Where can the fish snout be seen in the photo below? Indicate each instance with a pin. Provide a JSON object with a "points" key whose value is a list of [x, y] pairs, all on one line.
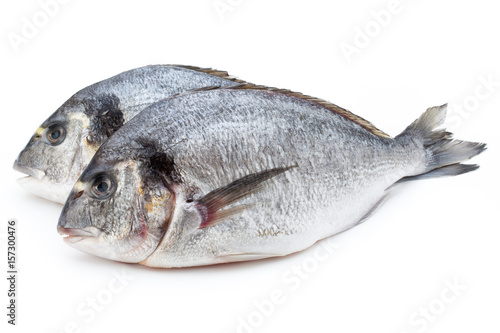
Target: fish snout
{"points": [[29, 171], [74, 235]]}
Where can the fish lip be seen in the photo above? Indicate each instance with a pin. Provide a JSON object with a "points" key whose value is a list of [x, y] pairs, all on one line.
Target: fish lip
{"points": [[74, 235], [30, 172]]}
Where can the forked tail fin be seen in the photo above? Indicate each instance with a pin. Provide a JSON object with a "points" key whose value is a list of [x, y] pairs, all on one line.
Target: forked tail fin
{"points": [[444, 154]]}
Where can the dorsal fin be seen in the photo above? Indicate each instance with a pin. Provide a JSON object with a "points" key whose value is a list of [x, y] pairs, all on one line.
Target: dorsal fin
{"points": [[211, 71], [330, 106]]}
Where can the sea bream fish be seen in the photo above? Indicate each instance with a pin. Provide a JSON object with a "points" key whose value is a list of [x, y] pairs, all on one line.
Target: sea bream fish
{"points": [[244, 173], [64, 144]]}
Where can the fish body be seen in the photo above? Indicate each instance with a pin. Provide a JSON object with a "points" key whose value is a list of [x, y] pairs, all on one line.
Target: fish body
{"points": [[64, 144], [244, 173]]}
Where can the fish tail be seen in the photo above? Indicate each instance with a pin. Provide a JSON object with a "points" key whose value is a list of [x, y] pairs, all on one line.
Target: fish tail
{"points": [[443, 154]]}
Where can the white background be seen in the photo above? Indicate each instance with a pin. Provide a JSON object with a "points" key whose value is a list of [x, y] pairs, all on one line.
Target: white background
{"points": [[381, 273]]}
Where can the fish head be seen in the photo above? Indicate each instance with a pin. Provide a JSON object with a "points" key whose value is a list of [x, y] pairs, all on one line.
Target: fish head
{"points": [[55, 154], [117, 211], [63, 145]]}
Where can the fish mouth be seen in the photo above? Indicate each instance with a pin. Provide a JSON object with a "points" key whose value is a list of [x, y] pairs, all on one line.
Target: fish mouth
{"points": [[74, 235], [30, 172]]}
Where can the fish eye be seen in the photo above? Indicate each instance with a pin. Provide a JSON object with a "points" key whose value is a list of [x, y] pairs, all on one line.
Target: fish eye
{"points": [[55, 134], [102, 186]]}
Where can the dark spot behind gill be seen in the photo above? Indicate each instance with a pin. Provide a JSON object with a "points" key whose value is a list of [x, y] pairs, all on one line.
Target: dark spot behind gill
{"points": [[158, 163], [105, 115]]}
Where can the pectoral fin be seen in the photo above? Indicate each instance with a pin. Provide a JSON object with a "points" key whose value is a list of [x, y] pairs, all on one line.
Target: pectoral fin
{"points": [[212, 205]]}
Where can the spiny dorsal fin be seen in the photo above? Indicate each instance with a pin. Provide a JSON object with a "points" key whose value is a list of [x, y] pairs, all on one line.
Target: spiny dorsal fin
{"points": [[211, 71], [330, 106]]}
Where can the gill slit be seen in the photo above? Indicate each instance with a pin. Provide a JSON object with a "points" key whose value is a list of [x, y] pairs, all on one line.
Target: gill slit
{"points": [[168, 221]]}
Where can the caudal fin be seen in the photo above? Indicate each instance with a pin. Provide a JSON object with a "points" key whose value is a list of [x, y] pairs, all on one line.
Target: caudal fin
{"points": [[444, 154]]}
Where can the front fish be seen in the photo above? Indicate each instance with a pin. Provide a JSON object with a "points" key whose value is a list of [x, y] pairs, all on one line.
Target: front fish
{"points": [[64, 144], [244, 173]]}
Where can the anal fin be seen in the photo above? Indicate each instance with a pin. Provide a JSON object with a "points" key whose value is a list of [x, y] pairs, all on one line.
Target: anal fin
{"points": [[375, 207]]}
